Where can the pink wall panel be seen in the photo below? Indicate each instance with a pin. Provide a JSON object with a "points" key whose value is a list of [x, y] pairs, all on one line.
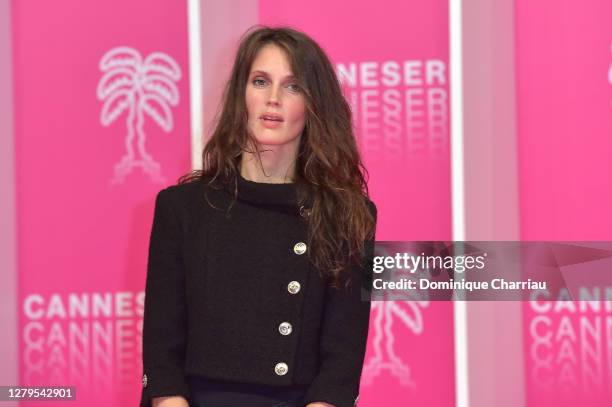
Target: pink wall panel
{"points": [[392, 59], [83, 218], [564, 94]]}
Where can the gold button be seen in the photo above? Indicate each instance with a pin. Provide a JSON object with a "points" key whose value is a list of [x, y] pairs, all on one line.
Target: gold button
{"points": [[299, 248], [281, 369], [293, 287], [285, 328]]}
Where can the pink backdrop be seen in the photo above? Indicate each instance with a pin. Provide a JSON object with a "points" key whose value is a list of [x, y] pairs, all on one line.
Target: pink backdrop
{"points": [[393, 62], [81, 319], [564, 93], [82, 237]]}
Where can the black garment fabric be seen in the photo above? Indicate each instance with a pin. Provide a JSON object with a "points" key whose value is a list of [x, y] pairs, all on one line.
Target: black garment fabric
{"points": [[213, 393], [219, 303]]}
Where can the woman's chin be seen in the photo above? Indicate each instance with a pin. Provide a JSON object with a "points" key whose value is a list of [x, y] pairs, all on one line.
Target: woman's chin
{"points": [[274, 139]]}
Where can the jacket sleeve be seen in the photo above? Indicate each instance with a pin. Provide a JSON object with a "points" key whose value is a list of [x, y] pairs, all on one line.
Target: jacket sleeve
{"points": [[343, 338], [165, 313]]}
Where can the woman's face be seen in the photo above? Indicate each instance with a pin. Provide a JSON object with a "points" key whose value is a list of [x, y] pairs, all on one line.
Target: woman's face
{"points": [[275, 104]]}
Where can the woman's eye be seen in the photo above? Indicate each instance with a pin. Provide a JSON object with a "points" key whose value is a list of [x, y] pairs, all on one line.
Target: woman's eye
{"points": [[262, 82]]}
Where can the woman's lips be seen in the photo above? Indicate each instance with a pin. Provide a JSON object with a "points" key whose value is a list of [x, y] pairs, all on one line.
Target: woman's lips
{"points": [[270, 124], [271, 116]]}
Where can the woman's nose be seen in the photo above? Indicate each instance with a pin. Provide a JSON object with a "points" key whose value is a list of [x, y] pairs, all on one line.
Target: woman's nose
{"points": [[274, 96]]}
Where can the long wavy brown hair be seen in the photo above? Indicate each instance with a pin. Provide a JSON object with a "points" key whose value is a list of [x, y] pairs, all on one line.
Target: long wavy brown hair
{"points": [[329, 173]]}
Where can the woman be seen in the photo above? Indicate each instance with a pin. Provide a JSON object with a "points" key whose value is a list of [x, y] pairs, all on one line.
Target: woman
{"points": [[256, 262]]}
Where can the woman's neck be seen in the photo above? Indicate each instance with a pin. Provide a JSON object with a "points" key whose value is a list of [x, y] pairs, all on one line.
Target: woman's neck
{"points": [[276, 167]]}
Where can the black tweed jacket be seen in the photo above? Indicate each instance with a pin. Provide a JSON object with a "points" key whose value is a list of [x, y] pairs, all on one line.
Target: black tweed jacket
{"points": [[231, 295]]}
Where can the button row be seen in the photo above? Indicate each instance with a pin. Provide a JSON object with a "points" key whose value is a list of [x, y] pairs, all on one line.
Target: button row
{"points": [[285, 328]]}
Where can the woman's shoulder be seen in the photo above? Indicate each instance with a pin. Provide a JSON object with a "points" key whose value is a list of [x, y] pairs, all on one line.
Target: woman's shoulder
{"points": [[191, 190], [180, 190]]}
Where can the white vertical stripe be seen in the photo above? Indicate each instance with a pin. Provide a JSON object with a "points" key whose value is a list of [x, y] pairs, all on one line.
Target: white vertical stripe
{"points": [[9, 306], [195, 82], [458, 185]]}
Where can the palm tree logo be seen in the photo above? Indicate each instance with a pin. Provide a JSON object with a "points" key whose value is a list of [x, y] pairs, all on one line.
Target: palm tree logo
{"points": [[140, 87], [385, 315]]}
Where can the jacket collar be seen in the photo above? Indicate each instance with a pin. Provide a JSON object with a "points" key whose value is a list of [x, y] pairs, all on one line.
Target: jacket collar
{"points": [[267, 194]]}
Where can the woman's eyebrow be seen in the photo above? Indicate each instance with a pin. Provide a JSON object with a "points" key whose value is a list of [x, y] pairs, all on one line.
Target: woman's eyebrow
{"points": [[264, 73]]}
